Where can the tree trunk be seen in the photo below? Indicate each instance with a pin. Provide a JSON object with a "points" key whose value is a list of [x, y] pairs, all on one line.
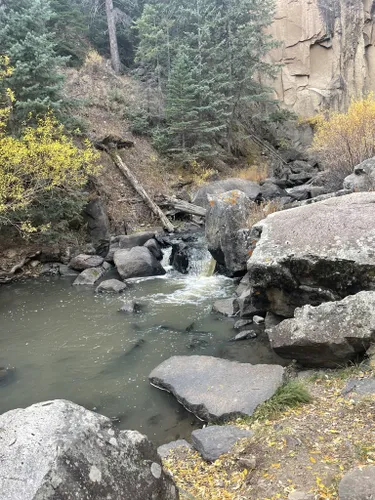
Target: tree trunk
{"points": [[115, 57], [141, 191], [182, 206]]}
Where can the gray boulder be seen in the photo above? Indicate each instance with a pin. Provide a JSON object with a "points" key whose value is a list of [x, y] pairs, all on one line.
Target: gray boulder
{"points": [[213, 388], [89, 276], [226, 307], [83, 261], [175, 446], [362, 178], [133, 240], [137, 262], [59, 450], [213, 441], [358, 484], [312, 254], [241, 323], [154, 248], [131, 307], [355, 388], [111, 286], [327, 335], [245, 335], [202, 197], [270, 190], [227, 231]]}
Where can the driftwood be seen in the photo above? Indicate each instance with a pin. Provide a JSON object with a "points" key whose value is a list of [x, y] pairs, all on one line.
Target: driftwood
{"points": [[141, 191], [182, 206], [10, 275]]}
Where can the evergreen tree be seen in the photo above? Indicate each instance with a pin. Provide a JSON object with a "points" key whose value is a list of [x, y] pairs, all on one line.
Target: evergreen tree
{"points": [[26, 38], [69, 22]]}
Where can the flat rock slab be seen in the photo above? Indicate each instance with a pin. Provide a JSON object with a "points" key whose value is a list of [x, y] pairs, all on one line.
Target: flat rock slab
{"points": [[356, 387], [358, 484], [214, 441], [175, 446], [327, 335], [89, 276], [83, 261], [313, 253], [226, 307], [214, 388]]}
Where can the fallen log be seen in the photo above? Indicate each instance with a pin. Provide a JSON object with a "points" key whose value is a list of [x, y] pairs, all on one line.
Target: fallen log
{"points": [[141, 191], [182, 206]]}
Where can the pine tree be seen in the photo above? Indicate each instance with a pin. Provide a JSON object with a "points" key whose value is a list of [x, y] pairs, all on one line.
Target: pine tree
{"points": [[26, 38]]}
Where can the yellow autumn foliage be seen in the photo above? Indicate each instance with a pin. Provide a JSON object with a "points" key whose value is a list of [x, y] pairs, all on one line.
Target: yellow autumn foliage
{"points": [[343, 140], [42, 160]]}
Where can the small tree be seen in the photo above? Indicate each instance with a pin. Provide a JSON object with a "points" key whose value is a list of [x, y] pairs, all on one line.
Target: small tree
{"points": [[41, 172], [343, 140]]}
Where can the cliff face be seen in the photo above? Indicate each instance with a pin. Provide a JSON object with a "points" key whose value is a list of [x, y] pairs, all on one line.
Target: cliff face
{"points": [[327, 53]]}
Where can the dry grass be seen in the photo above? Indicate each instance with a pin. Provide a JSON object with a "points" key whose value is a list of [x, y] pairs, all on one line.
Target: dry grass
{"points": [[308, 447], [262, 210], [255, 173]]}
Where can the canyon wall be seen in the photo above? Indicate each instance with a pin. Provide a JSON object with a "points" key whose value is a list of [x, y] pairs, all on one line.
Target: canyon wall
{"points": [[327, 53]]}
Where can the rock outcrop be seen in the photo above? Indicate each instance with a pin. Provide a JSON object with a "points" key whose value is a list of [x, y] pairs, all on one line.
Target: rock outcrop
{"points": [[329, 335], [213, 388], [312, 254], [137, 262], [227, 230], [59, 450], [327, 53]]}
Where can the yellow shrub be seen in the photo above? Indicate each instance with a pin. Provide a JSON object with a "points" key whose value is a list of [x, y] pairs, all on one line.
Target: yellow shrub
{"points": [[255, 173], [344, 140], [42, 160]]}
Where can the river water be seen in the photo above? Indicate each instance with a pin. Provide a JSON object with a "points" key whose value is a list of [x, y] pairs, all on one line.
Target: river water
{"points": [[71, 343]]}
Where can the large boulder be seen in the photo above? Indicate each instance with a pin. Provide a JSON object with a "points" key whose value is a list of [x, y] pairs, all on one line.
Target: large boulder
{"points": [[112, 285], [215, 389], [98, 225], [202, 197], [358, 484], [129, 241], [362, 178], [59, 450], [328, 335], [312, 254], [215, 440], [137, 262], [83, 261], [227, 230], [89, 276]]}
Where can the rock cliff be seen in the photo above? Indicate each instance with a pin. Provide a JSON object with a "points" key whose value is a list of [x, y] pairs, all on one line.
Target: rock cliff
{"points": [[327, 51]]}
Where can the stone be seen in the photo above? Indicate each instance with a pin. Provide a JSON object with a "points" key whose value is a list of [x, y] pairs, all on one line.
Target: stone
{"points": [[300, 193], [7, 376], [216, 440], [134, 240], [215, 389], [173, 447], [358, 484], [89, 276], [313, 254], [83, 261], [241, 323], [272, 320], [137, 262], [362, 178], [251, 189], [226, 307], [111, 286], [227, 230], [245, 335], [270, 190], [328, 335], [300, 495], [65, 271], [131, 307], [359, 387], [258, 320], [98, 226], [179, 259], [154, 248], [57, 449]]}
